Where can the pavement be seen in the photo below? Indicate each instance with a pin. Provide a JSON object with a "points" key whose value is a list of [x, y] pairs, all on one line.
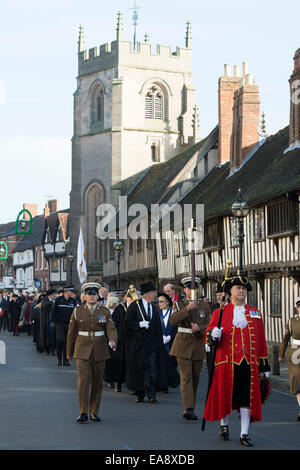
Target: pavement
{"points": [[279, 382]]}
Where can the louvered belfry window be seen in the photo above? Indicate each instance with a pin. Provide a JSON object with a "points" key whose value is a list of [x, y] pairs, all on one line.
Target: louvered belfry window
{"points": [[154, 103], [100, 106]]}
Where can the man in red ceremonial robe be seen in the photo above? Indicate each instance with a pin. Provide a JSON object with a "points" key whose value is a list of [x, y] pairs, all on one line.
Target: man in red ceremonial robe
{"points": [[241, 358]]}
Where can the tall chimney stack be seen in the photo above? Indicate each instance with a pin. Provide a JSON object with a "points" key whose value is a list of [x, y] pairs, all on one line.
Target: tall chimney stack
{"points": [[227, 86], [294, 135], [246, 114]]}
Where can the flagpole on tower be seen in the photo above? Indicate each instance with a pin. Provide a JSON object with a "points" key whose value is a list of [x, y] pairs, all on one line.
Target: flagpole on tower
{"points": [[135, 18]]}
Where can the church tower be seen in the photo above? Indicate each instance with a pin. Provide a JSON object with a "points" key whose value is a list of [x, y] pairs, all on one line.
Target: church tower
{"points": [[132, 109]]}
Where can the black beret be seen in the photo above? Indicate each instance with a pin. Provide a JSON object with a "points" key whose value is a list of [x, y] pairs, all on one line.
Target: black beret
{"points": [[50, 291]]}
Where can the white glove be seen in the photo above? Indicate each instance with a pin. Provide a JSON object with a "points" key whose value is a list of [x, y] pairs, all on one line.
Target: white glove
{"points": [[216, 333], [266, 374], [144, 324], [166, 339]]}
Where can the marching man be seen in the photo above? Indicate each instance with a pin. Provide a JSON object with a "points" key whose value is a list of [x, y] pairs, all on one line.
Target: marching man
{"points": [[241, 358], [95, 329]]}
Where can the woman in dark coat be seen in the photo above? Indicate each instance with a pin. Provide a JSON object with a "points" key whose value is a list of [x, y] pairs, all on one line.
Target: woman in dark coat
{"points": [[36, 319], [113, 365], [47, 332], [169, 333]]}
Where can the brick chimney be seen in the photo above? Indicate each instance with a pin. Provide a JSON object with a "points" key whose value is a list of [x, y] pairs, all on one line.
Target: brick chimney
{"points": [[53, 205], [228, 84], [294, 137], [32, 208], [46, 210], [246, 115]]}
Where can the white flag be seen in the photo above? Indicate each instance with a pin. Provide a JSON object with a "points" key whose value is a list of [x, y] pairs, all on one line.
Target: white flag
{"points": [[81, 259]]}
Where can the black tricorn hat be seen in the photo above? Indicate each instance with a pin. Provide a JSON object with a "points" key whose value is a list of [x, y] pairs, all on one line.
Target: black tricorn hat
{"points": [[147, 287], [237, 281]]}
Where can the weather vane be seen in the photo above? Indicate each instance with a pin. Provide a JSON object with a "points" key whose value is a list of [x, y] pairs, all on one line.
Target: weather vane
{"points": [[135, 18]]}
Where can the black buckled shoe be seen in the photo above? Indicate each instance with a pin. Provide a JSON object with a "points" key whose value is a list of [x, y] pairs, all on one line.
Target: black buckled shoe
{"points": [[224, 432], [245, 440], [152, 400], [189, 415], [139, 399], [82, 418], [95, 418]]}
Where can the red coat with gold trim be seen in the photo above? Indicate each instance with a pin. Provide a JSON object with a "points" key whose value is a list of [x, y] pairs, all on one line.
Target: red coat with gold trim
{"points": [[235, 345]]}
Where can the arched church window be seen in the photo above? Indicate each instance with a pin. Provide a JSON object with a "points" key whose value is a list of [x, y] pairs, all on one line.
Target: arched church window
{"points": [[154, 103], [97, 105], [94, 197]]}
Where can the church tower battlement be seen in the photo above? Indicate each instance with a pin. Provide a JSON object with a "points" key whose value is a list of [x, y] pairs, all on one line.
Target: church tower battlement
{"points": [[120, 53]]}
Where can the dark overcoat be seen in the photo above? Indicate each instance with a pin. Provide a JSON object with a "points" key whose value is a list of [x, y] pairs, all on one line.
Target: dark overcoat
{"points": [[137, 363]]}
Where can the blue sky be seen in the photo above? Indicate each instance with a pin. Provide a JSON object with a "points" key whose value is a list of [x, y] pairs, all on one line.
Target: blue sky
{"points": [[38, 47]]}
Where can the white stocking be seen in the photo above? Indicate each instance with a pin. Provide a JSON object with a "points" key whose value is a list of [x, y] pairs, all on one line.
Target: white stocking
{"points": [[245, 420], [225, 421]]}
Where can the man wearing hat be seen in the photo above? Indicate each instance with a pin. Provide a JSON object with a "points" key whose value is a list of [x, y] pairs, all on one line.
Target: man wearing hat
{"points": [[61, 314], [91, 327], [219, 297], [191, 318], [46, 330], [240, 357], [145, 350], [292, 335]]}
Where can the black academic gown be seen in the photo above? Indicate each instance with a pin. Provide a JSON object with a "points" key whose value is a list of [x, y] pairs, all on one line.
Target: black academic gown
{"points": [[137, 351], [46, 336], [115, 366]]}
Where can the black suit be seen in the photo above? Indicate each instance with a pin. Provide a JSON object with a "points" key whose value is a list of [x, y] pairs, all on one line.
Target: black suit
{"points": [[145, 371]]}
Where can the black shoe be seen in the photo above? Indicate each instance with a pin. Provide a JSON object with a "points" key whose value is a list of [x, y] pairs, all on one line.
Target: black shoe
{"points": [[111, 385], [298, 417], [189, 415], [82, 418], [66, 363], [118, 388], [245, 440], [152, 400], [224, 432], [139, 399], [95, 418], [58, 362]]}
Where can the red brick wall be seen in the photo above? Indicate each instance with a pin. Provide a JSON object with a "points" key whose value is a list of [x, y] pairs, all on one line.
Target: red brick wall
{"points": [[246, 113], [227, 87]]}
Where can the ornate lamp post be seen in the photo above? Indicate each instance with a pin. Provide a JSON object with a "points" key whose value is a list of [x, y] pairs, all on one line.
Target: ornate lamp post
{"points": [[71, 259], [118, 247], [240, 210]]}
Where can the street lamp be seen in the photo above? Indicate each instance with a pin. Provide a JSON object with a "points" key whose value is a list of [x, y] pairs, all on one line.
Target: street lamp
{"points": [[23, 225], [71, 259], [118, 247], [240, 210]]}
